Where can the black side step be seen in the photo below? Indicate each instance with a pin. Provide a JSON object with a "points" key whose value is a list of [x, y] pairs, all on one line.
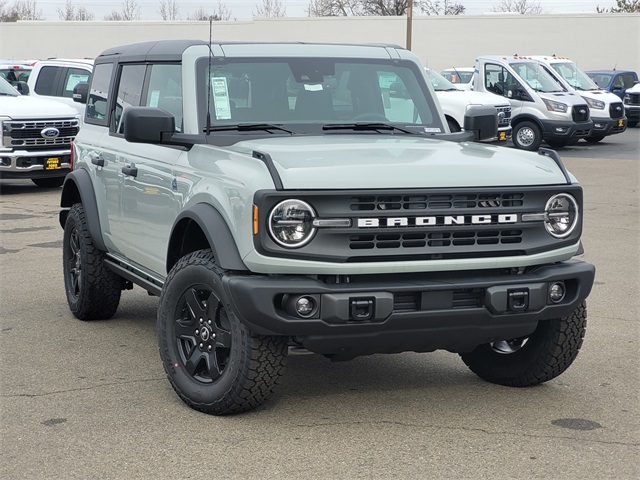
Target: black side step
{"points": [[144, 281]]}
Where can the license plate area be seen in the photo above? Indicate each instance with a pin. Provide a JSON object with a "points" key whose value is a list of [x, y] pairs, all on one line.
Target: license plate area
{"points": [[52, 163]]}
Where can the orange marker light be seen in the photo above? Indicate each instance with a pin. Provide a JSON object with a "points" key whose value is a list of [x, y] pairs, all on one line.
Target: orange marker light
{"points": [[255, 220]]}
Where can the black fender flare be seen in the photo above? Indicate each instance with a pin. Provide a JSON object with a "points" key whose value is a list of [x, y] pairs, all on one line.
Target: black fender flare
{"points": [[526, 118], [78, 188], [217, 234]]}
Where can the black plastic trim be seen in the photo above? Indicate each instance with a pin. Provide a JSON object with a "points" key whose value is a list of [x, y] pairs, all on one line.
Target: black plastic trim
{"points": [[150, 286], [548, 152], [268, 161]]}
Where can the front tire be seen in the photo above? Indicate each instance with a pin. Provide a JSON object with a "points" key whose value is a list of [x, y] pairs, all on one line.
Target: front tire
{"points": [[529, 361], [93, 291], [212, 360], [50, 182], [527, 136]]}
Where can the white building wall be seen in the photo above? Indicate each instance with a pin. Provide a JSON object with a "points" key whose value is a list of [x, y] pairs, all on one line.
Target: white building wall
{"points": [[592, 40]]}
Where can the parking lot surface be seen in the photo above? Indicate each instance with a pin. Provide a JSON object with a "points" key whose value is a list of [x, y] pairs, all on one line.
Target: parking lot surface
{"points": [[90, 399]]}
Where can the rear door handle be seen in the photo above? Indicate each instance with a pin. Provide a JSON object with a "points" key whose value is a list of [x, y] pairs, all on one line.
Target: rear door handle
{"points": [[131, 170]]}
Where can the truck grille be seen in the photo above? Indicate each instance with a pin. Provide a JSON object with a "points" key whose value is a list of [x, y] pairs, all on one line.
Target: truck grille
{"points": [[580, 113], [26, 134], [504, 120], [426, 224], [634, 99], [616, 110]]}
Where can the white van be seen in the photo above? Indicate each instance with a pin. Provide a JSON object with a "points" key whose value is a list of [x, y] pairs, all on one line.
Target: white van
{"points": [[607, 110], [460, 76], [541, 107]]}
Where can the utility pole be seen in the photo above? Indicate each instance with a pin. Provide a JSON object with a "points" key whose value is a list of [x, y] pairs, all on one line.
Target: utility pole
{"points": [[409, 22]]}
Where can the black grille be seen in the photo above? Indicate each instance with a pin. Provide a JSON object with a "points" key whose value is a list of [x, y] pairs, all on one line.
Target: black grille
{"points": [[580, 113], [436, 202], [616, 110], [505, 119], [446, 299], [634, 98], [444, 239]]}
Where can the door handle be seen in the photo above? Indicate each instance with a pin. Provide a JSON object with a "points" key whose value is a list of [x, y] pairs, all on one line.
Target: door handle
{"points": [[97, 160], [131, 170]]}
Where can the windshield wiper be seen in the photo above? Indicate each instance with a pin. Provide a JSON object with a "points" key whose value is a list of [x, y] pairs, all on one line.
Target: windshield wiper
{"points": [[366, 126], [247, 127]]}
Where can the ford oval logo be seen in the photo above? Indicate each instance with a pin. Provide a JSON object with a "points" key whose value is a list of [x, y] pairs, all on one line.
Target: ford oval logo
{"points": [[50, 132]]}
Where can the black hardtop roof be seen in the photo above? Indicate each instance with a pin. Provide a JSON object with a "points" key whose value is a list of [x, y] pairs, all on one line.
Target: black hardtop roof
{"points": [[172, 50]]}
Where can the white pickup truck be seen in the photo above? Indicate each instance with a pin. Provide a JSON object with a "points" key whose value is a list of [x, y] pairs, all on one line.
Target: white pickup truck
{"points": [[455, 103]]}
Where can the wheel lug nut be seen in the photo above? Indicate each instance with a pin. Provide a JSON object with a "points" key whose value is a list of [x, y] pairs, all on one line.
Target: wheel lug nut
{"points": [[209, 348], [197, 332], [200, 320], [201, 345], [209, 322], [213, 335]]}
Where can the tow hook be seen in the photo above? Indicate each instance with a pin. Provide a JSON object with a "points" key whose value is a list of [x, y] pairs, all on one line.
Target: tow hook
{"points": [[518, 300], [361, 309]]}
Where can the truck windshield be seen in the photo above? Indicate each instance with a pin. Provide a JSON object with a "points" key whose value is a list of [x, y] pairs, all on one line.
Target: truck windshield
{"points": [[312, 92], [537, 77], [574, 76], [6, 89], [440, 84]]}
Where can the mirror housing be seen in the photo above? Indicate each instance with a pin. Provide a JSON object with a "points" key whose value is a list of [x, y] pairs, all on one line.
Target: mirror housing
{"points": [[482, 121], [22, 88], [80, 93], [147, 125]]}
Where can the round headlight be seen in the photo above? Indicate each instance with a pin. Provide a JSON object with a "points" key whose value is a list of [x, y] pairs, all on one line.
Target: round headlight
{"points": [[562, 215], [291, 223]]}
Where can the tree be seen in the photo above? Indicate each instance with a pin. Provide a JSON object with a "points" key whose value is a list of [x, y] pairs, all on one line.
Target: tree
{"points": [[169, 10], [20, 10], [130, 11], [72, 13], [339, 8], [524, 7], [271, 9], [622, 6], [221, 12]]}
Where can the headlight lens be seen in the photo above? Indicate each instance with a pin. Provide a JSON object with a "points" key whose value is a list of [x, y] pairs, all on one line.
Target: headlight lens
{"points": [[597, 104], [627, 99], [561, 215], [555, 106], [291, 223]]}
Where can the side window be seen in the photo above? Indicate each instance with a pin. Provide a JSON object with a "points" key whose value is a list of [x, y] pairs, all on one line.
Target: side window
{"points": [[96, 111], [165, 91], [628, 80], [500, 81], [46, 82], [129, 92], [73, 77]]}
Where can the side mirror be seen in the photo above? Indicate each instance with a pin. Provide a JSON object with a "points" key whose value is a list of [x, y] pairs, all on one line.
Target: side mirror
{"points": [[147, 124], [80, 93], [482, 121], [22, 88], [521, 94]]}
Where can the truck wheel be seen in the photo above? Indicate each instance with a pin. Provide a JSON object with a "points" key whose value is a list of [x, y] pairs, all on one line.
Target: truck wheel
{"points": [[93, 291], [213, 362], [53, 182], [523, 362], [557, 143], [527, 136], [594, 139]]}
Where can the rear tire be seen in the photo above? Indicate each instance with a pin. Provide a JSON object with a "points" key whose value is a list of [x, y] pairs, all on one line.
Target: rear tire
{"points": [[93, 291], [532, 360], [527, 136], [52, 182], [212, 360]]}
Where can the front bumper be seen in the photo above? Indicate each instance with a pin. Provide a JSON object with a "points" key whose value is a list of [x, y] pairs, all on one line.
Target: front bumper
{"points": [[39, 164], [632, 113], [608, 126], [557, 130], [455, 311]]}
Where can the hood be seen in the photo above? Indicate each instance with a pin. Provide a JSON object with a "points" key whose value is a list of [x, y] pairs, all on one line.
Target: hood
{"points": [[374, 161], [471, 97], [26, 107], [570, 98]]}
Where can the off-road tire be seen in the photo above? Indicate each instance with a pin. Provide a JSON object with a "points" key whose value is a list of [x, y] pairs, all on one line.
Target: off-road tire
{"points": [[547, 353], [93, 291], [526, 136], [49, 182], [230, 372]]}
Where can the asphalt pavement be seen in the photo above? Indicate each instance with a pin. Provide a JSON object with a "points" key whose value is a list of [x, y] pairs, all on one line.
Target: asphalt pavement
{"points": [[89, 400]]}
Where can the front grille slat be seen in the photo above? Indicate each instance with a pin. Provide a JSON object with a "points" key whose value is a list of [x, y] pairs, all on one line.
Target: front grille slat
{"points": [[437, 202]]}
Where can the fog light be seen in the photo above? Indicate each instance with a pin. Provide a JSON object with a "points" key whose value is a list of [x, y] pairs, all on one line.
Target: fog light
{"points": [[561, 129], [598, 125], [557, 292], [305, 306]]}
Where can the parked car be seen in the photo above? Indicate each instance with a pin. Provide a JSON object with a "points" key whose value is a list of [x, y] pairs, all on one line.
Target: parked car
{"points": [[616, 81], [15, 72], [632, 105], [55, 79], [460, 76]]}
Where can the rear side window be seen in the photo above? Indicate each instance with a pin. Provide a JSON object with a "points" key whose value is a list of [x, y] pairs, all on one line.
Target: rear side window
{"points": [[73, 77], [45, 85], [96, 111]]}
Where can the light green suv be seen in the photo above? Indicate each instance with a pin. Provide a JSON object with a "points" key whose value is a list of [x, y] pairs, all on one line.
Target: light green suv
{"points": [[310, 197]]}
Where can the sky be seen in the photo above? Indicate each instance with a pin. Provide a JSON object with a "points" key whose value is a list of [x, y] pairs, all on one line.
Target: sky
{"points": [[243, 9]]}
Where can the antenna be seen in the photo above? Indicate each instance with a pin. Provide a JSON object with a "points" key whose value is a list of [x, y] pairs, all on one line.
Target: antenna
{"points": [[209, 76]]}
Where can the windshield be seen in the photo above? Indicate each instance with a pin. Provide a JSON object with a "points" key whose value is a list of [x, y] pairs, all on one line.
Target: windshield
{"points": [[13, 75], [440, 84], [456, 76], [7, 89], [310, 93], [537, 77], [574, 76]]}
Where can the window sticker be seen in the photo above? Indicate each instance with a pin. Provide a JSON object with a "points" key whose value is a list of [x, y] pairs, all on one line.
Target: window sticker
{"points": [[74, 80], [220, 94], [432, 130], [153, 98], [313, 88]]}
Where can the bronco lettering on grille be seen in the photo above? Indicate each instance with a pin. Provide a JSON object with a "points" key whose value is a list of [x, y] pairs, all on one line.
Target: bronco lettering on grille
{"points": [[437, 220]]}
